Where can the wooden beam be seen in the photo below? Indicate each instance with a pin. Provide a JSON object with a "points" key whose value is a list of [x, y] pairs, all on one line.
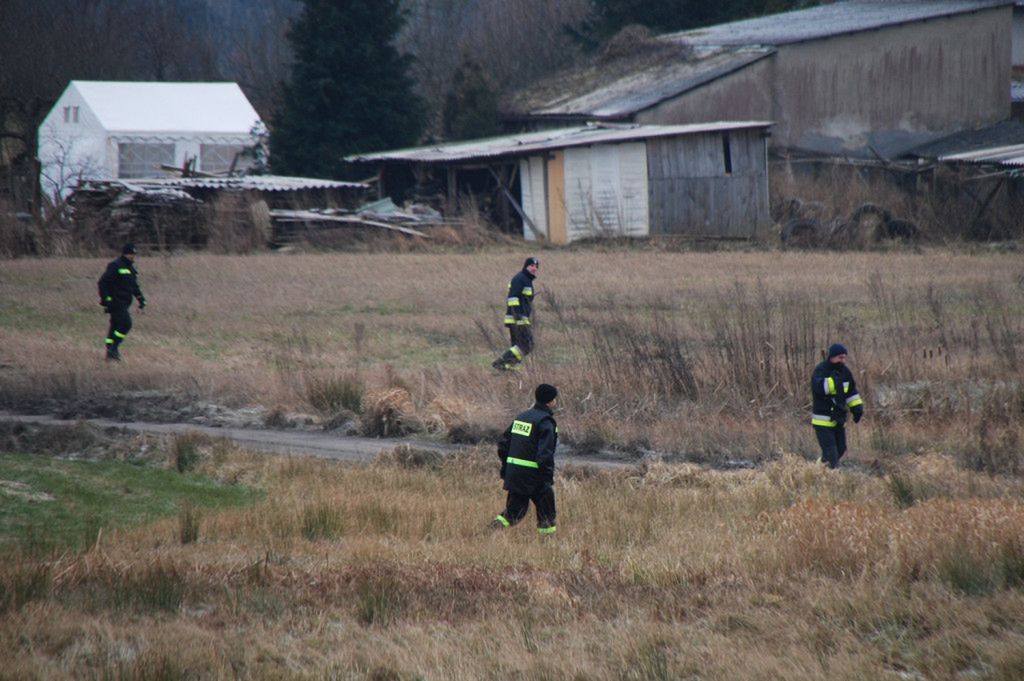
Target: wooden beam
{"points": [[453, 189], [515, 204], [285, 215]]}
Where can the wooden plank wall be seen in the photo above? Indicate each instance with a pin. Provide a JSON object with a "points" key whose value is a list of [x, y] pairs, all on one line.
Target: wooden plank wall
{"points": [[691, 193]]}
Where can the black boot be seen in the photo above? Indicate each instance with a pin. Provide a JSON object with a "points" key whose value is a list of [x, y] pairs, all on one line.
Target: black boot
{"points": [[112, 354], [507, 362]]}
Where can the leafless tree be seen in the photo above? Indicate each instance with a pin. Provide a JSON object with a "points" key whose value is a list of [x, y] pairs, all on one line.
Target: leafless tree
{"points": [[256, 51], [514, 41]]}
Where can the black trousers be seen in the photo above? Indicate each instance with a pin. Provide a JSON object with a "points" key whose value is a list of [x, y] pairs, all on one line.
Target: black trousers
{"points": [[522, 344], [120, 324], [832, 442], [522, 337], [516, 506]]}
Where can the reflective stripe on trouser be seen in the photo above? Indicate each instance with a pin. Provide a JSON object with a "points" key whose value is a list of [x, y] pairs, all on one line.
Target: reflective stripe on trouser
{"points": [[823, 421], [516, 506], [120, 325], [522, 345]]}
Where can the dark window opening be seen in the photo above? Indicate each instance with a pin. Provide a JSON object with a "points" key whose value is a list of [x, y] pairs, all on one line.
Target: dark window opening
{"points": [[727, 153]]}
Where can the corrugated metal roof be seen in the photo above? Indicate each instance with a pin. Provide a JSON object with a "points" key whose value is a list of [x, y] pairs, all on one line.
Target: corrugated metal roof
{"points": [[1001, 134], [123, 106], [533, 142], [1012, 155], [267, 183], [829, 20], [645, 88]]}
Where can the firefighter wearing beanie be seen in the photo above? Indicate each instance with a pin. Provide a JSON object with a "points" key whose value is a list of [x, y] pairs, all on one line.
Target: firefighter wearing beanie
{"points": [[117, 286], [527, 454], [833, 395], [518, 308]]}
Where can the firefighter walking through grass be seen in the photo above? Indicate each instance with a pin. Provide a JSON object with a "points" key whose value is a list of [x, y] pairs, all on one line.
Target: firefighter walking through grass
{"points": [[833, 394], [527, 454], [118, 285], [518, 308]]}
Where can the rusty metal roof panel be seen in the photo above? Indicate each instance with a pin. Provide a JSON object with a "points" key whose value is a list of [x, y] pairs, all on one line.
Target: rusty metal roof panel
{"points": [[620, 96], [534, 142], [1002, 134], [267, 183], [824, 21], [1012, 155]]}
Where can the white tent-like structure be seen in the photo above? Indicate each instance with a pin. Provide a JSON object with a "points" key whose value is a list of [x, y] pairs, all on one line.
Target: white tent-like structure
{"points": [[104, 130]]}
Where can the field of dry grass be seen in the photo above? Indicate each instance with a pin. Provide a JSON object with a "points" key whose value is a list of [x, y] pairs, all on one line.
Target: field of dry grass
{"points": [[386, 571], [701, 356], [908, 564]]}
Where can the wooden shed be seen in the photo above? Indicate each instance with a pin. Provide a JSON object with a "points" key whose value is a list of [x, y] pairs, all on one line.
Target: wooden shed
{"points": [[707, 179]]}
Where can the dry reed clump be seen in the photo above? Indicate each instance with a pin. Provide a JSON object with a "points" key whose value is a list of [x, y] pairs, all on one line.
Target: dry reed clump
{"points": [[940, 476], [442, 414], [390, 413], [661, 474], [841, 541], [408, 456], [478, 460], [334, 394], [974, 545]]}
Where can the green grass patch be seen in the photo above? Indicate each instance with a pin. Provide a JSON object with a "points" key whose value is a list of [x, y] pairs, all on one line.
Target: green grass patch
{"points": [[48, 504]]}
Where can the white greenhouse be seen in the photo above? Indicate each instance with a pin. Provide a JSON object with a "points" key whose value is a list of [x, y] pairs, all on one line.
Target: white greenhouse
{"points": [[121, 130]]}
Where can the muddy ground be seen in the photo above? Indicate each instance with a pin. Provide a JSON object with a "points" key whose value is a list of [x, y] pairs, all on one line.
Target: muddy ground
{"points": [[115, 426]]}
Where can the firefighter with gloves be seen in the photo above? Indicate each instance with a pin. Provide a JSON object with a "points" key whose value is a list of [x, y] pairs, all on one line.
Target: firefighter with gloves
{"points": [[834, 395], [518, 307], [118, 285], [527, 454]]}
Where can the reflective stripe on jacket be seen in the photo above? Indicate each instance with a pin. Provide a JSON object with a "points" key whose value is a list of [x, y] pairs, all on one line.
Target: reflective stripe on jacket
{"points": [[519, 302], [527, 451], [833, 394], [119, 282]]}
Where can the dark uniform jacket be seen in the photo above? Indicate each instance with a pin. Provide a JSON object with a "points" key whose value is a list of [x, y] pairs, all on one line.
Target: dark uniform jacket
{"points": [[833, 392], [119, 284], [519, 303], [527, 451]]}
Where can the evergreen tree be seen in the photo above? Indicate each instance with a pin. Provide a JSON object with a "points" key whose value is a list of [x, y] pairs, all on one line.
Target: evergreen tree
{"points": [[350, 89], [471, 106]]}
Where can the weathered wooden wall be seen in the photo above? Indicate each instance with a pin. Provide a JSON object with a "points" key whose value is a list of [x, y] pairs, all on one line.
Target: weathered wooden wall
{"points": [[692, 191]]}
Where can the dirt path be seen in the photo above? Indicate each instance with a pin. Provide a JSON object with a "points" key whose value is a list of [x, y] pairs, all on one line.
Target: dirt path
{"points": [[296, 442]]}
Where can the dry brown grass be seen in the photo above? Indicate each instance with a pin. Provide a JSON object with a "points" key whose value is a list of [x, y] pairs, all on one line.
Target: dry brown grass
{"points": [[907, 565], [698, 355], [657, 572]]}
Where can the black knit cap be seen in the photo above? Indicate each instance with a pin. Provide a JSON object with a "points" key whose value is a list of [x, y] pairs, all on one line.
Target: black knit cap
{"points": [[531, 261], [129, 249], [837, 349], [545, 393]]}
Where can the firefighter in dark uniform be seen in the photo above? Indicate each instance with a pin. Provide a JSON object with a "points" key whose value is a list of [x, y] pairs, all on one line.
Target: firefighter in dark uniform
{"points": [[118, 285], [834, 394], [527, 454], [518, 307]]}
